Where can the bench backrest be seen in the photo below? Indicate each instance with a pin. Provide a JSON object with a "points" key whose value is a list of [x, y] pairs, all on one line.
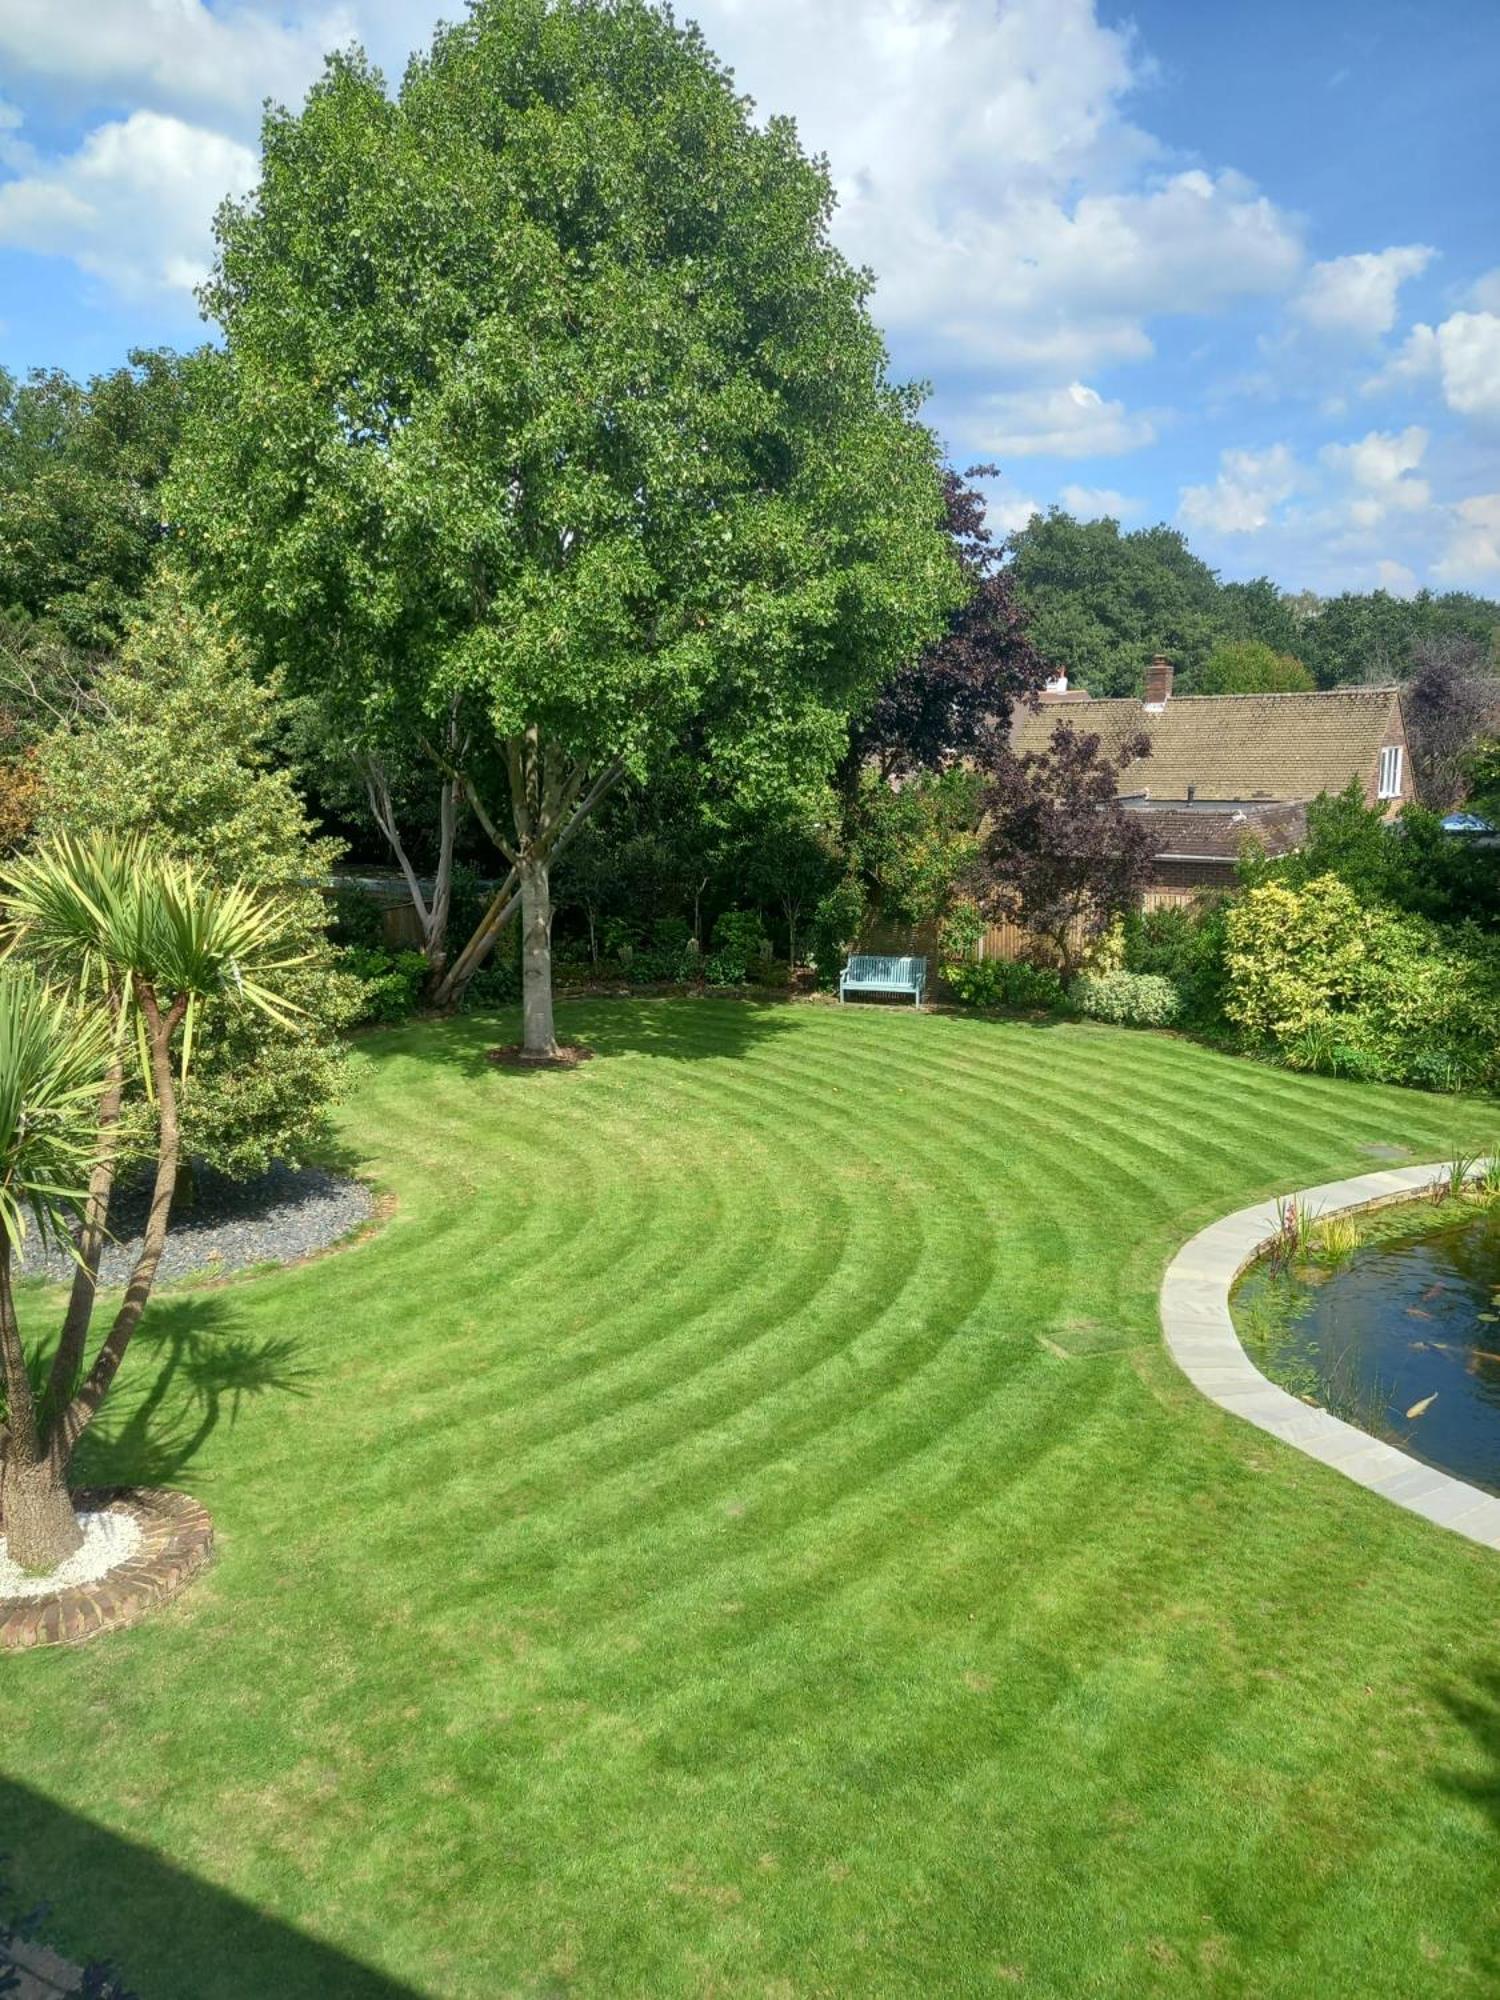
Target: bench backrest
{"points": [[869, 971]]}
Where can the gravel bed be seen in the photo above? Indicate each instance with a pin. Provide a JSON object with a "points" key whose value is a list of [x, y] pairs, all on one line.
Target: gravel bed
{"points": [[274, 1219], [109, 1538]]}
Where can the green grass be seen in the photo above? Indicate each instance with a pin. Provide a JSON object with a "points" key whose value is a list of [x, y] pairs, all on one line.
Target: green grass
{"points": [[737, 1531]]}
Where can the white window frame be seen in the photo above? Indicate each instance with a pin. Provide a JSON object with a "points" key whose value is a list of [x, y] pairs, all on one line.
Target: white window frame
{"points": [[1388, 784]]}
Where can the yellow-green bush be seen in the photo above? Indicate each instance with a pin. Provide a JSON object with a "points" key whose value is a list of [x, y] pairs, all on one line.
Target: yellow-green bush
{"points": [[1329, 983]]}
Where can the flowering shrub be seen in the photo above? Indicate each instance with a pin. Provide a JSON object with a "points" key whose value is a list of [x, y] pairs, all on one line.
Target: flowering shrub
{"points": [[1130, 999]]}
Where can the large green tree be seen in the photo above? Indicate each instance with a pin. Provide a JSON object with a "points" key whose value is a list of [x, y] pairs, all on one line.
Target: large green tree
{"points": [[1372, 636], [1101, 603], [549, 413], [1249, 666], [81, 467]]}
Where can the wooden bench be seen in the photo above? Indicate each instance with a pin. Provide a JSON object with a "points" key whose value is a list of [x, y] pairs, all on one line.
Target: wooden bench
{"points": [[884, 975]]}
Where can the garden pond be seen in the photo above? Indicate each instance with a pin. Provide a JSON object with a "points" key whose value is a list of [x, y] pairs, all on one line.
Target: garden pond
{"points": [[1400, 1336]]}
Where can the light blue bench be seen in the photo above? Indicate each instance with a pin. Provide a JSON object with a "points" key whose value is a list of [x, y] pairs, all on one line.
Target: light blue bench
{"points": [[884, 975]]}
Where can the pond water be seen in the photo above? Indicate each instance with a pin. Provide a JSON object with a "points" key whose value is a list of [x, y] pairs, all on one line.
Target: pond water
{"points": [[1402, 1339]]}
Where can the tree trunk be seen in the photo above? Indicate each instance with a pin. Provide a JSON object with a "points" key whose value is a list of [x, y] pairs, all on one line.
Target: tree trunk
{"points": [[539, 1033], [67, 1362], [80, 1413], [41, 1529], [435, 930]]}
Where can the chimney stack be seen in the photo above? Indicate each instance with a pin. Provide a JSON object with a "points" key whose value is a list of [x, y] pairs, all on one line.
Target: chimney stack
{"points": [[1158, 683]]}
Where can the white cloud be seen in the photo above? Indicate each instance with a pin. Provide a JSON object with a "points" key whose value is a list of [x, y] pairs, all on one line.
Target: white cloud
{"points": [[987, 166], [1006, 512], [1473, 552], [1358, 295], [1071, 422], [1484, 293], [988, 173], [1378, 469], [1095, 503], [1244, 497], [1462, 355], [133, 204], [1396, 578], [179, 55]]}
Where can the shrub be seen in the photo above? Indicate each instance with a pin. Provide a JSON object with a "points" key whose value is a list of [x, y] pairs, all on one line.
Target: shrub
{"points": [[1327, 983], [356, 918], [1184, 944], [739, 944], [1130, 999], [961, 929], [999, 982], [836, 927], [177, 747], [725, 968], [391, 982]]}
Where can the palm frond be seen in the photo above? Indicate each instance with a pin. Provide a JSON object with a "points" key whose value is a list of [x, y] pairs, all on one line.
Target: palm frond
{"points": [[104, 914], [53, 1059]]}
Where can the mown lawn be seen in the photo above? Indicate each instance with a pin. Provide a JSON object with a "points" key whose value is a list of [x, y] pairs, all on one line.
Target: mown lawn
{"points": [[737, 1531]]}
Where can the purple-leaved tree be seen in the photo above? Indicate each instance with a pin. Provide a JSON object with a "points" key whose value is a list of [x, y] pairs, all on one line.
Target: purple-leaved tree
{"points": [[1059, 855]]}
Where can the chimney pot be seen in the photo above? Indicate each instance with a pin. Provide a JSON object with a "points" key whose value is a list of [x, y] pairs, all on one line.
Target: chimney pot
{"points": [[1159, 682]]}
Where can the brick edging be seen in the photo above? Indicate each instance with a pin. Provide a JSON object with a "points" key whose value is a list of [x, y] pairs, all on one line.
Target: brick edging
{"points": [[1200, 1333], [177, 1540]]}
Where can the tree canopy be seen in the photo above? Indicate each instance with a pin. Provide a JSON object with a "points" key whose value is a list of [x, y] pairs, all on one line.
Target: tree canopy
{"points": [[175, 750], [546, 397], [81, 466], [1103, 601], [1250, 666]]}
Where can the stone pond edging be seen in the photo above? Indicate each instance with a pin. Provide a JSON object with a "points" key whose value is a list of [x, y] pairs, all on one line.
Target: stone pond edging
{"points": [[177, 1539], [1200, 1333]]}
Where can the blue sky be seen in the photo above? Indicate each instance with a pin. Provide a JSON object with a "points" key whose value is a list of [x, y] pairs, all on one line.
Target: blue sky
{"points": [[1232, 265]]}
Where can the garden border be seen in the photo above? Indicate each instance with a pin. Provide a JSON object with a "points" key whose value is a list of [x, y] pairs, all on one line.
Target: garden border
{"points": [[1200, 1334], [177, 1540]]}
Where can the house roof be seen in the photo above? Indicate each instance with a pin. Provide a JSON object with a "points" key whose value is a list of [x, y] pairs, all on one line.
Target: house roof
{"points": [[1234, 746], [1219, 832]]}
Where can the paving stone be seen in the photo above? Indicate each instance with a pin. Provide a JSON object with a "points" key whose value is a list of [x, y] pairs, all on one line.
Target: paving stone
{"points": [[1200, 1335]]}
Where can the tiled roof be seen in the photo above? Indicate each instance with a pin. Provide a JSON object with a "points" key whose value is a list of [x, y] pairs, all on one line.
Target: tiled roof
{"points": [[1191, 832], [1234, 746]]}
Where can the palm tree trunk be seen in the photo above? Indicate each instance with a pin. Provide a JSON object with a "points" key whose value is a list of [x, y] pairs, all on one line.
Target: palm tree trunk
{"points": [[41, 1529], [81, 1411], [67, 1362]]}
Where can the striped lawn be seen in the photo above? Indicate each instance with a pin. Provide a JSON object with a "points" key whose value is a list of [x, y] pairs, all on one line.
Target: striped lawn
{"points": [[737, 1531]]}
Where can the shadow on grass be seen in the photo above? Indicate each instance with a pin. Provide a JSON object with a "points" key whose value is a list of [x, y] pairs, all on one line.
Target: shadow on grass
{"points": [[217, 1947], [1477, 1706], [679, 1029], [148, 1435]]}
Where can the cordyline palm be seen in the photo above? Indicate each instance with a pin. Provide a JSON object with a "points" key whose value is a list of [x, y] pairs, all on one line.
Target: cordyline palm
{"points": [[133, 945]]}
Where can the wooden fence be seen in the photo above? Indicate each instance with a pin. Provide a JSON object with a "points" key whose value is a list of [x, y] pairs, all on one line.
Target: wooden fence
{"points": [[1009, 941]]}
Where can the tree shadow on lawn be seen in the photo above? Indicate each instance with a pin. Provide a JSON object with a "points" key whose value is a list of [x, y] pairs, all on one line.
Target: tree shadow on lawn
{"points": [[678, 1029], [215, 1946], [1477, 1706], [156, 1422]]}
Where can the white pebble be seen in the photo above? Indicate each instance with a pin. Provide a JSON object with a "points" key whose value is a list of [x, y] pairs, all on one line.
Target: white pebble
{"points": [[108, 1540]]}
